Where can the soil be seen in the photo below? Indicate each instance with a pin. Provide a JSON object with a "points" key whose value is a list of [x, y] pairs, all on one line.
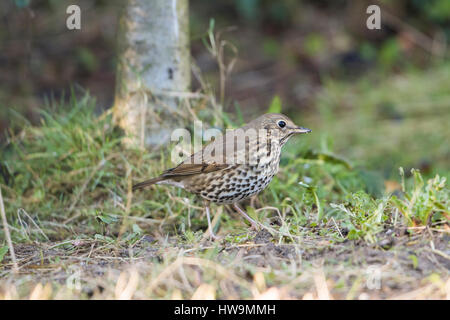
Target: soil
{"points": [[405, 262]]}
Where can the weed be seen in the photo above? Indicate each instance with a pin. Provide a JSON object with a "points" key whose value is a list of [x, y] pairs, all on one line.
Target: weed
{"points": [[424, 204]]}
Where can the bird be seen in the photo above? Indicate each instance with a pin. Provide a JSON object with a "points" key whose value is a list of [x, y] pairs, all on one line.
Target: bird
{"points": [[233, 167]]}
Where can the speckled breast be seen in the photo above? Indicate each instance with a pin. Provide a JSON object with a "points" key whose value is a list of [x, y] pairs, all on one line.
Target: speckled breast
{"points": [[237, 182]]}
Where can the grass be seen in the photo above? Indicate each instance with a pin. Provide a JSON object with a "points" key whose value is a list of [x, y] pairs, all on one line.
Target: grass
{"points": [[338, 208], [402, 116]]}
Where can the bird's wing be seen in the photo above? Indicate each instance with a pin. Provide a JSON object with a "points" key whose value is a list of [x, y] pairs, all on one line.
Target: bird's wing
{"points": [[188, 169], [217, 155]]}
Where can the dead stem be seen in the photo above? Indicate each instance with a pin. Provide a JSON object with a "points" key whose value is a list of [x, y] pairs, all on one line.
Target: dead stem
{"points": [[7, 234]]}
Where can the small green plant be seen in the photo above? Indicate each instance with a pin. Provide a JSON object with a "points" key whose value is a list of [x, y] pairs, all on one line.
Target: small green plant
{"points": [[423, 203], [363, 216]]}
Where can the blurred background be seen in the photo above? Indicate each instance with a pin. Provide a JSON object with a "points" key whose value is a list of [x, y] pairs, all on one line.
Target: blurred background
{"points": [[378, 97]]}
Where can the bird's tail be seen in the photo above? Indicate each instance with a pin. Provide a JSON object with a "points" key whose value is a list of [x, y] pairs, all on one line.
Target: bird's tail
{"points": [[147, 183]]}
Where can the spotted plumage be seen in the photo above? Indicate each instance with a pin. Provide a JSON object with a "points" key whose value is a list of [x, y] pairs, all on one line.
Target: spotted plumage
{"points": [[235, 166]]}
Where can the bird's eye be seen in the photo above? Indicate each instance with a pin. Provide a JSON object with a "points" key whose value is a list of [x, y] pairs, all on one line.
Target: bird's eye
{"points": [[281, 124]]}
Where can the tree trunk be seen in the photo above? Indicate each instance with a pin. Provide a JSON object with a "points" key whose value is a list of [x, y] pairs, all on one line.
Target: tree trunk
{"points": [[153, 69]]}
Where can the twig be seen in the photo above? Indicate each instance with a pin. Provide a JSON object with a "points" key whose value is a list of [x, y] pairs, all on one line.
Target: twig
{"points": [[335, 224], [7, 235], [35, 224], [439, 252], [124, 225]]}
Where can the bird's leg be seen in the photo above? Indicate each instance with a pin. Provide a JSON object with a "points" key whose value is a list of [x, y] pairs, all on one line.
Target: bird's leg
{"points": [[242, 212], [210, 228]]}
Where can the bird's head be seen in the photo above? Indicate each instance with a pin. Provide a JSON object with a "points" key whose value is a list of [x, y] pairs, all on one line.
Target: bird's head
{"points": [[278, 125]]}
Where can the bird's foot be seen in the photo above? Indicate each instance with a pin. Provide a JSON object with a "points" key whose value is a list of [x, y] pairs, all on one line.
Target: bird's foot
{"points": [[212, 236], [254, 226]]}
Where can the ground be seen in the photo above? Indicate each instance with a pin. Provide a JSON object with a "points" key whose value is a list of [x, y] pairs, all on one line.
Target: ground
{"points": [[401, 267], [347, 217]]}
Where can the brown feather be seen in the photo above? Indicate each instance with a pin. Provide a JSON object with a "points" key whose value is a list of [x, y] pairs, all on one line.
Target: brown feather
{"points": [[181, 172], [147, 183], [188, 169]]}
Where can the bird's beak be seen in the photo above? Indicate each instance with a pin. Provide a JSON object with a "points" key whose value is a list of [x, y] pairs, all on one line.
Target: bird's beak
{"points": [[302, 130]]}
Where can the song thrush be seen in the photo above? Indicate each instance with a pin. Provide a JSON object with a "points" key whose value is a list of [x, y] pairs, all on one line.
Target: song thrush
{"points": [[235, 166]]}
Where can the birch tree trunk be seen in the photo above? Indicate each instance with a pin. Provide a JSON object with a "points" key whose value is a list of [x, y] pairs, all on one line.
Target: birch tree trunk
{"points": [[153, 69]]}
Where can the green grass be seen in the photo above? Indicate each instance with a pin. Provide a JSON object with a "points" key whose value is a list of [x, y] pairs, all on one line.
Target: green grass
{"points": [[66, 186], [385, 122]]}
